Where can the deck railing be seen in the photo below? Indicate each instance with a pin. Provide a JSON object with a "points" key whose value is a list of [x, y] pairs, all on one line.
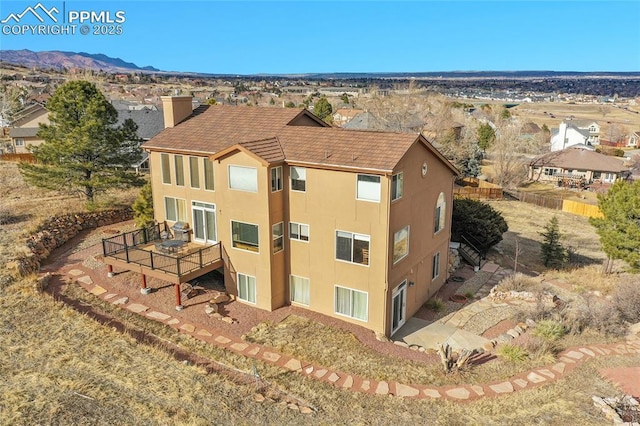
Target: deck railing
{"points": [[127, 247]]}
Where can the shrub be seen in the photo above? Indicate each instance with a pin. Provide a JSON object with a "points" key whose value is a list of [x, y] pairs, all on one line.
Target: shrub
{"points": [[435, 304], [143, 207], [478, 220], [554, 255], [626, 300], [589, 312], [513, 353], [519, 282], [549, 330]]}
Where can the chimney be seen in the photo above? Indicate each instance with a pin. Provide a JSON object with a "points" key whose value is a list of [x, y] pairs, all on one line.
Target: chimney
{"points": [[175, 109]]}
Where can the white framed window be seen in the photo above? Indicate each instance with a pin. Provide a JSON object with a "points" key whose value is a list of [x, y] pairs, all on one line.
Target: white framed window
{"points": [[179, 168], [298, 178], [246, 288], [19, 142], [549, 171], [194, 172], [298, 231], [401, 244], [352, 248], [351, 303], [166, 168], [397, 186], [208, 174], [277, 234], [441, 211], [436, 266], [244, 236], [276, 179], [299, 289], [243, 178], [175, 209], [368, 188]]}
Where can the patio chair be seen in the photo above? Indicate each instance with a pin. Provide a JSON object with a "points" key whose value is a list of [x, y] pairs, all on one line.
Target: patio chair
{"points": [[187, 291]]}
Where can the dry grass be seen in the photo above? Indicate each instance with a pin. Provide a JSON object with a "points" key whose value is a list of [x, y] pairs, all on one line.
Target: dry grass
{"points": [[527, 220], [588, 278]]}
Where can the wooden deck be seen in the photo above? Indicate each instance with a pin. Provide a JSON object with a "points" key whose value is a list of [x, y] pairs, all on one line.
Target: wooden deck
{"points": [[136, 254]]}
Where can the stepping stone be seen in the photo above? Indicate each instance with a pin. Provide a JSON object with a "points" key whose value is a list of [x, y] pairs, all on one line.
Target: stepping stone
{"points": [[188, 327], [271, 356], [320, 373], [173, 321], [606, 351], [504, 387], [97, 290], [87, 280], [535, 378], [458, 393], [110, 296], [333, 377], [559, 367], [621, 349], [239, 346], [575, 355], [293, 364], [222, 340], [203, 332], [137, 308], [121, 301], [587, 351], [382, 388], [309, 369], [521, 382], [597, 349], [547, 373], [567, 360], [348, 382], [406, 391], [158, 315], [75, 272], [432, 393], [366, 385], [254, 351], [479, 390]]}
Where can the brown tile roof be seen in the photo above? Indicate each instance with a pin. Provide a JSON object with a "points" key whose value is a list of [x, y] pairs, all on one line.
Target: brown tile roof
{"points": [[266, 133], [580, 159]]}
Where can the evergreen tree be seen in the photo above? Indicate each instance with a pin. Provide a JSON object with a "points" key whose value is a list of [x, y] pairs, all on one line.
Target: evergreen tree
{"points": [[322, 108], [83, 149], [619, 228], [554, 255], [486, 136], [143, 207], [478, 220]]}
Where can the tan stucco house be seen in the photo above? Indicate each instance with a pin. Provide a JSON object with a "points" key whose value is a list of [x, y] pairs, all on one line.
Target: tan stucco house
{"points": [[25, 126], [351, 224]]}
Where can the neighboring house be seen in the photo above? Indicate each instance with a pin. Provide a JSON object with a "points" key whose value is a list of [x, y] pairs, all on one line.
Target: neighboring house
{"points": [[392, 122], [150, 122], [344, 115], [575, 132], [351, 224], [25, 126], [633, 140], [577, 163]]}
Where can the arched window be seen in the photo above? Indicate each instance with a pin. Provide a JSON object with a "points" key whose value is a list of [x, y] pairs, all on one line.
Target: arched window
{"points": [[441, 211]]}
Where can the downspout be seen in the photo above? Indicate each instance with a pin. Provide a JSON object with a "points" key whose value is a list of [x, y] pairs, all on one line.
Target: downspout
{"points": [[387, 329]]}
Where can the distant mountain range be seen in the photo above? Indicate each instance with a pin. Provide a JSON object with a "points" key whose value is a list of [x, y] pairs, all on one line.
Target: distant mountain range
{"points": [[58, 60]]}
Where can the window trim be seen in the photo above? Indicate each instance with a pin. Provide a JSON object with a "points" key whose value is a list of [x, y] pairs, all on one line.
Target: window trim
{"points": [[353, 234], [166, 179], [242, 167], [379, 188], [257, 251], [299, 225], [175, 201], [408, 228], [175, 169], [291, 168], [295, 302], [335, 302], [398, 197], [19, 142], [435, 266], [440, 218], [255, 283], [281, 186], [204, 171], [274, 238]]}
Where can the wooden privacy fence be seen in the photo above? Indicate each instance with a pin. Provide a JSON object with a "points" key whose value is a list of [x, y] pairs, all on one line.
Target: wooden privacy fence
{"points": [[476, 188], [569, 206], [17, 158]]}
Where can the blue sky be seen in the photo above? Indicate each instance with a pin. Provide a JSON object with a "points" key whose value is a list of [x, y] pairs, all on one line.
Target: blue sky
{"points": [[243, 37]]}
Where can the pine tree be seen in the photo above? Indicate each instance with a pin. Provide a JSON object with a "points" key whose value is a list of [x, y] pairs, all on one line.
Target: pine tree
{"points": [[83, 149], [554, 255], [619, 228], [322, 108], [143, 207]]}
